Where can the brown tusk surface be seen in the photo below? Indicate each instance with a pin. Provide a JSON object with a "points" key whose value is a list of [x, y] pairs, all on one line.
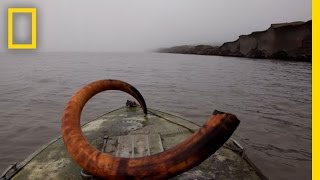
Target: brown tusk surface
{"points": [[189, 153]]}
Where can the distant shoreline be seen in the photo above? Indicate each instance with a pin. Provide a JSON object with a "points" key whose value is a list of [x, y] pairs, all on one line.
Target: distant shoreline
{"points": [[285, 41]]}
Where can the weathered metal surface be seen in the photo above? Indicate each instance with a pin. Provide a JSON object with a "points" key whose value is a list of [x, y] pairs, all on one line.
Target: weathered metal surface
{"points": [[182, 157], [53, 162], [141, 146], [11, 169], [134, 145]]}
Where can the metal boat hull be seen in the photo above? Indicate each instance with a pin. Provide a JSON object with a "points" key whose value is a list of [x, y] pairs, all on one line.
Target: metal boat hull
{"points": [[127, 132]]}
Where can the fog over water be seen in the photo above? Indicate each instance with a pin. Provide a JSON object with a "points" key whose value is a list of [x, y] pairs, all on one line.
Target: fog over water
{"points": [[143, 25], [272, 98]]}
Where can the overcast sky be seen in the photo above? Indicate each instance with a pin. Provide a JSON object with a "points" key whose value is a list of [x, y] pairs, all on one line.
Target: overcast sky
{"points": [[142, 25]]}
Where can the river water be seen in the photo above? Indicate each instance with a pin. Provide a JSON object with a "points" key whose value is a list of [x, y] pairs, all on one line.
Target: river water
{"points": [[271, 98]]}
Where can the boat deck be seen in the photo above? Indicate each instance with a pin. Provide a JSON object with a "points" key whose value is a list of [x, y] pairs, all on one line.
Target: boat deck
{"points": [[127, 132]]}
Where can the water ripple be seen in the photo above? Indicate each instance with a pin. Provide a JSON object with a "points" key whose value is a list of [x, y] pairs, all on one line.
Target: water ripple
{"points": [[271, 98]]}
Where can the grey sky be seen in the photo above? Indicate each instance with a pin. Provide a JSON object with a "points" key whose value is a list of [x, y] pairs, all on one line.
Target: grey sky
{"points": [[141, 25]]}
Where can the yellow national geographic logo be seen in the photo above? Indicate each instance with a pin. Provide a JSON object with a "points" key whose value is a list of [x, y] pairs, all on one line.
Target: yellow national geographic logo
{"points": [[33, 44]]}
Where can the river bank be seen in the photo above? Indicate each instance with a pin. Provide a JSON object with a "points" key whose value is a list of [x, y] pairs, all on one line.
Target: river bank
{"points": [[285, 41]]}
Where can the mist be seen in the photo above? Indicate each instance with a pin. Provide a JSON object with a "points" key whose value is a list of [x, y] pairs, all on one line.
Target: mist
{"points": [[145, 25]]}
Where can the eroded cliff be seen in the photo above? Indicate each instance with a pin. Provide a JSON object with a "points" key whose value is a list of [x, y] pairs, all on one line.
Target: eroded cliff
{"points": [[288, 41]]}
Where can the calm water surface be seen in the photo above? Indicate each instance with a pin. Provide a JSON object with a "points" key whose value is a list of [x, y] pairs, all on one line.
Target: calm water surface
{"points": [[271, 98]]}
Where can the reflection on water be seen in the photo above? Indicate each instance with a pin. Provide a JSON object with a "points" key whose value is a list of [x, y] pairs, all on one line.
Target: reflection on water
{"points": [[271, 98]]}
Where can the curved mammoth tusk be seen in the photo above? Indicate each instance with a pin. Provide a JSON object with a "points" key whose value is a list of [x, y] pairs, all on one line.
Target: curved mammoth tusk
{"points": [[191, 152]]}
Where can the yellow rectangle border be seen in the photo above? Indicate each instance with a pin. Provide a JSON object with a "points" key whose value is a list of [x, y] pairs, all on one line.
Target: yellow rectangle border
{"points": [[33, 44], [315, 90]]}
